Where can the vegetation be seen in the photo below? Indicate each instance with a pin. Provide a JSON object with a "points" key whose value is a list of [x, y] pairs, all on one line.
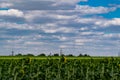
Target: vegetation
{"points": [[29, 68], [56, 55], [42, 54]]}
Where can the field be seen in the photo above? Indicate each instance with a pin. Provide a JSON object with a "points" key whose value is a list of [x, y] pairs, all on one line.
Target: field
{"points": [[59, 68]]}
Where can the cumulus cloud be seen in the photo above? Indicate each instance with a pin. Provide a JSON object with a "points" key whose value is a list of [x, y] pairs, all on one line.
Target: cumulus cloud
{"points": [[85, 9], [8, 25], [85, 20], [46, 28], [5, 5], [91, 33], [112, 35], [61, 38], [63, 46], [83, 40], [56, 15], [106, 23], [14, 41], [11, 12], [57, 29], [99, 22], [83, 28], [33, 43], [69, 2]]}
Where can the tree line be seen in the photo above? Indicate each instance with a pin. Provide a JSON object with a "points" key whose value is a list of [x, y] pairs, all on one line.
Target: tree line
{"points": [[56, 55]]}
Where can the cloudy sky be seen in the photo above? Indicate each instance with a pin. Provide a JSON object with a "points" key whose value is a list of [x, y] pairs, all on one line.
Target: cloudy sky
{"points": [[44, 26]]}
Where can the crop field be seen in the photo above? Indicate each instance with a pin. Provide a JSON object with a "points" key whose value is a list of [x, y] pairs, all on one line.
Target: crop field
{"points": [[59, 68]]}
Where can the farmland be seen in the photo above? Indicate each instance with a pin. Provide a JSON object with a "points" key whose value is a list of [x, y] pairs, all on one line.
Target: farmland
{"points": [[59, 68]]}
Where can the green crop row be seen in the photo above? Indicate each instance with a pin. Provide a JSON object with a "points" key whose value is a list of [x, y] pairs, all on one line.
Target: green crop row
{"points": [[60, 69]]}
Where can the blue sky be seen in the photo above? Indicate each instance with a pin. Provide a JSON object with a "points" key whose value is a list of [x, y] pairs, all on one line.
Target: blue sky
{"points": [[45, 26]]}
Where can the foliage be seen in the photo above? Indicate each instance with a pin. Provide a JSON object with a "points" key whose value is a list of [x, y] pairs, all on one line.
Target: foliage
{"points": [[29, 54], [42, 54], [70, 55], [60, 69], [56, 54], [83, 55], [19, 54]]}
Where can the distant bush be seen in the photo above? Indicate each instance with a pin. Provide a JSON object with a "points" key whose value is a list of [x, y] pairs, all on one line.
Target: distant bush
{"points": [[80, 55], [83, 55], [29, 54], [42, 54], [56, 54], [70, 55], [19, 54], [86, 55]]}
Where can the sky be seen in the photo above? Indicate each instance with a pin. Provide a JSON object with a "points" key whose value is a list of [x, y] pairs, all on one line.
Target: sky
{"points": [[46, 26]]}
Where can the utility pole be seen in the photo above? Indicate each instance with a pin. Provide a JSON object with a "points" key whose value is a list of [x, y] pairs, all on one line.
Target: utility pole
{"points": [[61, 52], [12, 53]]}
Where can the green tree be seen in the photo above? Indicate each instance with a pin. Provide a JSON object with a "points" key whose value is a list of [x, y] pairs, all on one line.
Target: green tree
{"points": [[70, 55], [29, 54], [19, 54], [86, 55], [80, 55], [56, 54], [42, 54]]}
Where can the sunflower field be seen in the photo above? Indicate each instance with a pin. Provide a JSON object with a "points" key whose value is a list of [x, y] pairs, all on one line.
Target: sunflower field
{"points": [[60, 69]]}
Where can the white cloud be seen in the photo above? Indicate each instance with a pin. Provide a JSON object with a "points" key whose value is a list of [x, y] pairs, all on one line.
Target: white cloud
{"points": [[14, 41], [112, 35], [91, 33], [69, 2], [63, 16], [83, 40], [8, 25], [85, 9], [11, 12], [57, 29], [100, 22], [33, 43], [47, 14], [79, 44], [86, 33], [30, 17], [63, 46], [47, 28], [61, 38], [5, 5], [105, 23], [53, 28], [83, 28], [85, 20]]}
